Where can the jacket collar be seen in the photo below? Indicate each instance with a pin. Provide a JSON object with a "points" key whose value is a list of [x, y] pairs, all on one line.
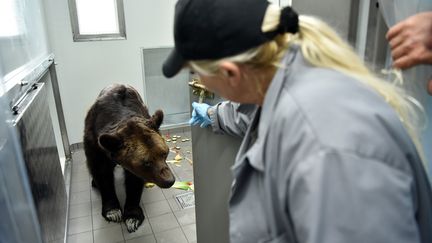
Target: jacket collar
{"points": [[255, 154], [275, 89]]}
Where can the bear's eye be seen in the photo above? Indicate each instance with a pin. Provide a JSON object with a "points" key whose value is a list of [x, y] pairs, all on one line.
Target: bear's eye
{"points": [[147, 164]]}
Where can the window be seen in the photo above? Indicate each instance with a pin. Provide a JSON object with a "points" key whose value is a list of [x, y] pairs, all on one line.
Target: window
{"points": [[9, 19], [97, 20]]}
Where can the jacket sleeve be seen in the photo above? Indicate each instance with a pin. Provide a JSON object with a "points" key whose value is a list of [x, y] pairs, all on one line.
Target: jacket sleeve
{"points": [[338, 197], [227, 119]]}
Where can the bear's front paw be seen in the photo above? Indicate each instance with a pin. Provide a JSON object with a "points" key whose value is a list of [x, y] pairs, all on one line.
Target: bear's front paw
{"points": [[113, 215], [132, 224], [133, 218]]}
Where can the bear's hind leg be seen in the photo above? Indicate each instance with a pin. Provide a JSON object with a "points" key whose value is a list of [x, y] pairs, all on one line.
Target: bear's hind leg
{"points": [[133, 214]]}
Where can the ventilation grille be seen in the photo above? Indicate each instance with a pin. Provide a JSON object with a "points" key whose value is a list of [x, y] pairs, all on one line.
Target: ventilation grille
{"points": [[186, 200]]}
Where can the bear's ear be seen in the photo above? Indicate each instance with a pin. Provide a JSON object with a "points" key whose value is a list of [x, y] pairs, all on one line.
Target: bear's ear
{"points": [[156, 120], [110, 142]]}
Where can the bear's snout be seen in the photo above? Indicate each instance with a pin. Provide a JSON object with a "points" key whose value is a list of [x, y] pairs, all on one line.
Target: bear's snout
{"points": [[167, 178]]}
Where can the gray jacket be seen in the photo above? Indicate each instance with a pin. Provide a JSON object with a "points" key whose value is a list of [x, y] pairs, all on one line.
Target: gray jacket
{"points": [[324, 160]]}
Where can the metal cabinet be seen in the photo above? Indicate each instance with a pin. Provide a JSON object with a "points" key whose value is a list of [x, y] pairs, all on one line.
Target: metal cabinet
{"points": [[36, 173], [213, 156]]}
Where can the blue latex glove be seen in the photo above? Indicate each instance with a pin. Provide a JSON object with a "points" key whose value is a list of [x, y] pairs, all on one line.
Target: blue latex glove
{"points": [[199, 115]]}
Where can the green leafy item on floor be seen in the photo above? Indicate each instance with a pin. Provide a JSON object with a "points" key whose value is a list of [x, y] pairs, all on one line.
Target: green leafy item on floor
{"points": [[183, 185]]}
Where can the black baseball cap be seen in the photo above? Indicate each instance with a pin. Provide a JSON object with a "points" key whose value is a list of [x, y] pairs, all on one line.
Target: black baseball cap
{"points": [[213, 29]]}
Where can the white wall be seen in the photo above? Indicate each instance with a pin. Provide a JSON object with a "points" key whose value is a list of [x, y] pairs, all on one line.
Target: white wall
{"points": [[84, 68], [282, 3]]}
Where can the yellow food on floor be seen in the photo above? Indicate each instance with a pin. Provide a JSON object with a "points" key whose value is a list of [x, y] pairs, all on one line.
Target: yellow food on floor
{"points": [[149, 185]]}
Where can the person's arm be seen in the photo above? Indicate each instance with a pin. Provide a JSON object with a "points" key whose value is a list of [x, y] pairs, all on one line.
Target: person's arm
{"points": [[225, 117], [338, 197], [411, 41]]}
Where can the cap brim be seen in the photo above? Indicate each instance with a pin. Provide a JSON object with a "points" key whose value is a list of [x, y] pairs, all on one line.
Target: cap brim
{"points": [[173, 64]]}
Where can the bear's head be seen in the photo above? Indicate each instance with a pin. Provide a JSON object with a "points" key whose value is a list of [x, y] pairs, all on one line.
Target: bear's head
{"points": [[137, 145]]}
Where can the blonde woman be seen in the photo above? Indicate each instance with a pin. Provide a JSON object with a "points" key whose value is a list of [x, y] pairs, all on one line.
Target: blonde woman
{"points": [[328, 152]]}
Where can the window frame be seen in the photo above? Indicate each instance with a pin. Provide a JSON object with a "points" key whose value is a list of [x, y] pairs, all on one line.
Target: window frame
{"points": [[77, 37]]}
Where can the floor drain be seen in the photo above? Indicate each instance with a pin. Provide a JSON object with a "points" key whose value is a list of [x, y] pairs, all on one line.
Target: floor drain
{"points": [[186, 200]]}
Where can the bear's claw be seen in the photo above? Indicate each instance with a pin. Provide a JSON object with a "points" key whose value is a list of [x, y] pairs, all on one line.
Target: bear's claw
{"points": [[114, 215]]}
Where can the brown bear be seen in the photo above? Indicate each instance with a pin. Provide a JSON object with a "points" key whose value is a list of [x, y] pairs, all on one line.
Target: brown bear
{"points": [[120, 131]]}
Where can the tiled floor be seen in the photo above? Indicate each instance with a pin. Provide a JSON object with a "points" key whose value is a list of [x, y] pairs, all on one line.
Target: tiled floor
{"points": [[165, 222]]}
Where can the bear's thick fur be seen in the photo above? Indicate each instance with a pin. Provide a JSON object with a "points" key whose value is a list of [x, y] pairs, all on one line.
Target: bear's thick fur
{"points": [[120, 131]]}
